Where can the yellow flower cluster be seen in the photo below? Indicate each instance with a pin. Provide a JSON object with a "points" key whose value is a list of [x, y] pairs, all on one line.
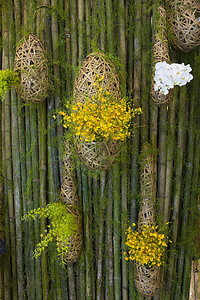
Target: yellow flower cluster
{"points": [[63, 226], [100, 117], [147, 246]]}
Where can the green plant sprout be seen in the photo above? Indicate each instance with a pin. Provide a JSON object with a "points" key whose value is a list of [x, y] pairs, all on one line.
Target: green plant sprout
{"points": [[63, 225], [8, 79]]}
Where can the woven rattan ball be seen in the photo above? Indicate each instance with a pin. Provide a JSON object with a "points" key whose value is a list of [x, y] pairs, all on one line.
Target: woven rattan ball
{"points": [[32, 66], [96, 64], [184, 22], [147, 279], [160, 54], [96, 155]]}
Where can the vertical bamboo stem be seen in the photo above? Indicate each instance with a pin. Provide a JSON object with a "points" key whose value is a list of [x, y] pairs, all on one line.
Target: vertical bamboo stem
{"points": [[8, 154]]}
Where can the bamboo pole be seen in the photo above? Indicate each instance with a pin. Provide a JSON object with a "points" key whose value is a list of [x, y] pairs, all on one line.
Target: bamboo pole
{"points": [[81, 30], [178, 183], [109, 240], [124, 154], [193, 203], [187, 195], [74, 40], [8, 155], [87, 233], [100, 245], [42, 123], [16, 169]]}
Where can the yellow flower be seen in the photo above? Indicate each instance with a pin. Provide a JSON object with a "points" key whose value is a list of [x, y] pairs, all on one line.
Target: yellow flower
{"points": [[54, 117]]}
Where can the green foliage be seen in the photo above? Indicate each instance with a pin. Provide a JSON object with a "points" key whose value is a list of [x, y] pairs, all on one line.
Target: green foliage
{"points": [[8, 79], [63, 226]]}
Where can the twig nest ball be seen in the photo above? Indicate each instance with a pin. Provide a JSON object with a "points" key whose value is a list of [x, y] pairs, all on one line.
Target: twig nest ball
{"points": [[96, 154], [32, 66], [184, 21]]}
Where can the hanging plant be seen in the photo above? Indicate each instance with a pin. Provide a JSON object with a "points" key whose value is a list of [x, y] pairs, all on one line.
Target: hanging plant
{"points": [[32, 67], [146, 244], [184, 23], [62, 228], [8, 79], [160, 54], [99, 118], [70, 199]]}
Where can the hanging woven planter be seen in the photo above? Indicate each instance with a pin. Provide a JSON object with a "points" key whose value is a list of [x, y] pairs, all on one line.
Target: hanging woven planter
{"points": [[160, 54], [69, 197], [184, 22], [101, 154], [147, 279], [32, 66]]}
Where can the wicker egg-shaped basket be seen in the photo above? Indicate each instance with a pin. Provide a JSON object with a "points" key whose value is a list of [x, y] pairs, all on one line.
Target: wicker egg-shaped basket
{"points": [[96, 155], [32, 66], [69, 197], [147, 279], [160, 54], [184, 23]]}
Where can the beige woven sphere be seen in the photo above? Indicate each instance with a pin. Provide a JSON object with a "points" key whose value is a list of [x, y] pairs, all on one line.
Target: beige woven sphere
{"points": [[32, 66], [184, 21], [96, 155]]}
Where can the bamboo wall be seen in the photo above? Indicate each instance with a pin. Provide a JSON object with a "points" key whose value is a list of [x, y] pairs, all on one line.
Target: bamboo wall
{"points": [[31, 156]]}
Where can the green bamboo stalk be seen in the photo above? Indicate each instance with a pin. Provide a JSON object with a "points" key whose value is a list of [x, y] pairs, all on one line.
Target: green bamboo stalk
{"points": [[87, 233], [145, 91], [178, 182], [8, 155], [16, 169], [42, 124], [153, 108], [1, 227], [102, 25], [28, 205], [88, 24], [74, 41], [170, 157], [193, 201], [109, 241], [116, 231], [35, 192], [43, 187], [80, 30], [17, 194], [187, 194], [68, 47], [7, 259], [100, 245], [110, 26], [162, 158], [124, 163]]}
